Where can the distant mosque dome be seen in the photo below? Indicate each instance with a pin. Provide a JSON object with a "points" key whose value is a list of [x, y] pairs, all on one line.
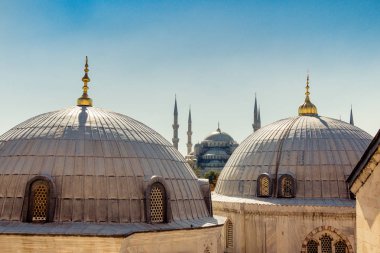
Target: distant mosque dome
{"points": [[219, 136], [214, 151], [307, 156]]}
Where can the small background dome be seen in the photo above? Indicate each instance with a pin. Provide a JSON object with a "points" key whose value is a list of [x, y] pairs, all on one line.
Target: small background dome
{"points": [[319, 152], [219, 136]]}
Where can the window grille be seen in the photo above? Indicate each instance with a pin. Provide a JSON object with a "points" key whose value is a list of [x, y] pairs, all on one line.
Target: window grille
{"points": [[229, 235], [157, 209], [264, 186], [312, 246], [39, 201], [287, 187], [340, 247], [326, 244]]}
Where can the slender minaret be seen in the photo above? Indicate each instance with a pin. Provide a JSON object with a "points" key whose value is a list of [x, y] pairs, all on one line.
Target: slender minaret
{"points": [[175, 125], [351, 117], [189, 133], [256, 117], [259, 118]]}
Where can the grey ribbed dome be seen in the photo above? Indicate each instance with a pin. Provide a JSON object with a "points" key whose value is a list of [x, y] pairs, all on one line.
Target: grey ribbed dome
{"points": [[219, 136], [99, 161], [319, 152]]}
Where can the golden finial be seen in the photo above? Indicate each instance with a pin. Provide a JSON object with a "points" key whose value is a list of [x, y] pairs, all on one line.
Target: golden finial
{"points": [[84, 100], [307, 108]]}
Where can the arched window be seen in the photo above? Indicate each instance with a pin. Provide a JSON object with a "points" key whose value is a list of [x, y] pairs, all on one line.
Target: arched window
{"points": [[326, 244], [229, 235], [263, 186], [287, 186], [312, 246], [157, 203], [326, 239], [340, 247], [39, 196]]}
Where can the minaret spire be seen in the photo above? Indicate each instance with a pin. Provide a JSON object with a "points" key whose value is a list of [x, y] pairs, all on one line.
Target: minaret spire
{"points": [[351, 117], [256, 117], [84, 100], [175, 124], [259, 118], [189, 133]]}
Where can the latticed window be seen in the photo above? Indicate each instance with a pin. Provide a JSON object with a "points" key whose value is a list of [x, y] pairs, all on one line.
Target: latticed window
{"points": [[157, 203], [326, 244], [229, 235], [264, 186], [340, 247], [312, 246], [287, 186], [39, 200]]}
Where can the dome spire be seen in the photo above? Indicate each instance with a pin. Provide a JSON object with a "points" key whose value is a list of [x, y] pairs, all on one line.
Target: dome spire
{"points": [[84, 100], [307, 108]]}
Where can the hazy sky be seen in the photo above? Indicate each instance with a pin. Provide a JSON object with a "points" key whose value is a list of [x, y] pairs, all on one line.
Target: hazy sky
{"points": [[213, 54]]}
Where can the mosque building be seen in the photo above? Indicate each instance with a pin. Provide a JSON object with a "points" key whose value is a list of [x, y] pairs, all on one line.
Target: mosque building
{"points": [[215, 150], [84, 179], [284, 188]]}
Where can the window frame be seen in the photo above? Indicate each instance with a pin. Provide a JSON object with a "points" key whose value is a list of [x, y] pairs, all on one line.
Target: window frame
{"points": [[314, 241], [293, 188], [27, 210], [158, 181], [229, 225], [259, 187]]}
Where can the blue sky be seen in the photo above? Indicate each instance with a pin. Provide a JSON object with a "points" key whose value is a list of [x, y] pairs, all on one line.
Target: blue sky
{"points": [[213, 54]]}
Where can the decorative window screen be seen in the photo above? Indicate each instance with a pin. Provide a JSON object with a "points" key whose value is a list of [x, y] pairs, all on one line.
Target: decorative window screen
{"points": [[264, 186], [157, 208], [340, 247], [326, 244], [39, 201], [287, 186], [229, 235], [312, 246]]}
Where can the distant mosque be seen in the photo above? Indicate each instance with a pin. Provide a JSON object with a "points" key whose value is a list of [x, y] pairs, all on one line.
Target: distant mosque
{"points": [[215, 150]]}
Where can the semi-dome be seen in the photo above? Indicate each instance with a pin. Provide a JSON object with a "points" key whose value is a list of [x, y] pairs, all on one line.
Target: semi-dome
{"points": [[219, 136], [318, 152]]}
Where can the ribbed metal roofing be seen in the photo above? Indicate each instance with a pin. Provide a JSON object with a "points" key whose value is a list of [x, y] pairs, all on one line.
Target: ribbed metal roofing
{"points": [[319, 152], [99, 161]]}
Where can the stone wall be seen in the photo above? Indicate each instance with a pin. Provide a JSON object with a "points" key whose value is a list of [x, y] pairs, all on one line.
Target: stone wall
{"points": [[285, 229], [177, 241], [205, 240], [368, 214]]}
